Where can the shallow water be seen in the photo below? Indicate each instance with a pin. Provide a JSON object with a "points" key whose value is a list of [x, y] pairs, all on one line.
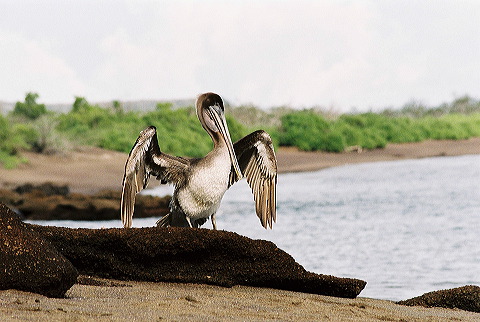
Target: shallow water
{"points": [[406, 227]]}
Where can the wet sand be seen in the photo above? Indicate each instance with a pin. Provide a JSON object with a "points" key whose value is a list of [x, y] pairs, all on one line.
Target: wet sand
{"points": [[90, 169], [292, 160]]}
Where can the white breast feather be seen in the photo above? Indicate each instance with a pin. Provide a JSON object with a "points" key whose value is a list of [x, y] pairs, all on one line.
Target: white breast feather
{"points": [[201, 197]]}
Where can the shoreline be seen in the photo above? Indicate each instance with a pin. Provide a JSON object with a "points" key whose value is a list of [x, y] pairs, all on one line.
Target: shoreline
{"points": [[293, 160], [89, 170]]}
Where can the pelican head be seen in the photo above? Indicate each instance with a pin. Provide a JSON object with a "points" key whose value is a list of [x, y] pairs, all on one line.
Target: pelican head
{"points": [[211, 114]]}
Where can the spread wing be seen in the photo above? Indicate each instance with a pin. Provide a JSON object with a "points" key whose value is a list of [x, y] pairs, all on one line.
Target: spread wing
{"points": [[146, 159], [257, 161]]}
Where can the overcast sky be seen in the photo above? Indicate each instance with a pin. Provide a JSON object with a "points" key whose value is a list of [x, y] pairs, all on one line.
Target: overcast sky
{"points": [[336, 54]]}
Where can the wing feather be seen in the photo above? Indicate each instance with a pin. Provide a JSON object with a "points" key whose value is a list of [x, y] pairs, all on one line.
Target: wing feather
{"points": [[146, 159], [257, 161]]}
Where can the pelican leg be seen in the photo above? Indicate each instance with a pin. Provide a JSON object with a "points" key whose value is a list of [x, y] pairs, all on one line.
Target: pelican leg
{"points": [[189, 222], [214, 222]]}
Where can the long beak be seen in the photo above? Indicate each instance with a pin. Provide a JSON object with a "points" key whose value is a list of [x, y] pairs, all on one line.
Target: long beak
{"points": [[221, 123]]}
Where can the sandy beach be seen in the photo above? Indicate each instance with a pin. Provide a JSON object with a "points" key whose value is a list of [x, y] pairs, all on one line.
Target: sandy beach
{"points": [[90, 170], [141, 301]]}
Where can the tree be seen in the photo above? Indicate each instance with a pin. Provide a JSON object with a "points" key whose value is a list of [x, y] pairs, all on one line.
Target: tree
{"points": [[80, 104], [117, 107], [30, 108]]}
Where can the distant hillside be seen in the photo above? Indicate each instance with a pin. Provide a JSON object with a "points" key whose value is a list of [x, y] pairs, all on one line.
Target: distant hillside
{"points": [[140, 105], [6, 107], [146, 105]]}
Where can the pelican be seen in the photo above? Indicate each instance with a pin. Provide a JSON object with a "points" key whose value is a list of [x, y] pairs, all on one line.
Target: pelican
{"points": [[200, 183]]}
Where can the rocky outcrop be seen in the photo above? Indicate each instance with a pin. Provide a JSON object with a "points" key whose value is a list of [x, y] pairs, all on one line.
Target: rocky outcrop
{"points": [[465, 298], [51, 202], [190, 255], [30, 263]]}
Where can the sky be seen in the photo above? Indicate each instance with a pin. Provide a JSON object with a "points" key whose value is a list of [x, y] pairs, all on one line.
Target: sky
{"points": [[341, 55]]}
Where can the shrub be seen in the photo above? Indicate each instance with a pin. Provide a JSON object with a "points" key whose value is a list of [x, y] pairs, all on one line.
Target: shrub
{"points": [[334, 142], [30, 108], [303, 129], [11, 142], [46, 138]]}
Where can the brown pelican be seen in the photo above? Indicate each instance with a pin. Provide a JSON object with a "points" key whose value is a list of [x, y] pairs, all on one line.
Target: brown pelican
{"points": [[200, 183]]}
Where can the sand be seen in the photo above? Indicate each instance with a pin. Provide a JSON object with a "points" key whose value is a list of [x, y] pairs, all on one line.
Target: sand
{"points": [[141, 301], [89, 170], [292, 160]]}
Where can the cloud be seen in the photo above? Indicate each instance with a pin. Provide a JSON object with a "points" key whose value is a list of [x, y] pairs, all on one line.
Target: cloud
{"points": [[27, 65], [261, 53], [301, 53]]}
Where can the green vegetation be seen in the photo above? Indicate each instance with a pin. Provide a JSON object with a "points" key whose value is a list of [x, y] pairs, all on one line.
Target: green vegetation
{"points": [[310, 131], [12, 140], [30, 126], [30, 109], [178, 130]]}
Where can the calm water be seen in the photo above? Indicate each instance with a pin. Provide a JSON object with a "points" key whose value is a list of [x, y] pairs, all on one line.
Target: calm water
{"points": [[406, 227]]}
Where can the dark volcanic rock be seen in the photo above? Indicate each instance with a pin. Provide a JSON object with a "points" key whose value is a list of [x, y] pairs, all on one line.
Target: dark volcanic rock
{"points": [[190, 256], [465, 298], [47, 189], [50, 202], [28, 262]]}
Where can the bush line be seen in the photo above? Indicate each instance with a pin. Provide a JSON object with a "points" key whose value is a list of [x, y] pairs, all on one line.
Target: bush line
{"points": [[30, 126]]}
